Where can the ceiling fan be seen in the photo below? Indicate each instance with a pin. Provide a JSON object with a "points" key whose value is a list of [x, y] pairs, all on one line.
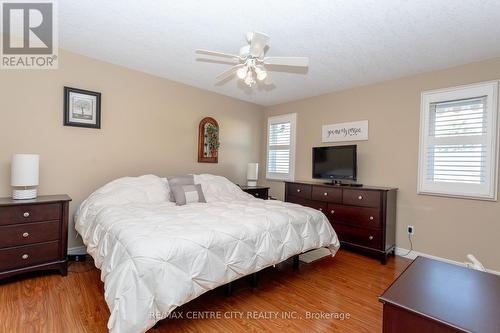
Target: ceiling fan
{"points": [[252, 60]]}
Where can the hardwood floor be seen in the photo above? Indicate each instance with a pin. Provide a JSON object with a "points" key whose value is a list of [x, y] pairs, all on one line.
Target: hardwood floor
{"points": [[348, 284]]}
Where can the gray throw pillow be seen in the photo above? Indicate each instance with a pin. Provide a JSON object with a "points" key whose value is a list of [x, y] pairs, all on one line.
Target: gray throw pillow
{"points": [[185, 194], [179, 181]]}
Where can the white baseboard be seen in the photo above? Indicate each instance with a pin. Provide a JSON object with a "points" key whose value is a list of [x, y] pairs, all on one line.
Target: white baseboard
{"points": [[413, 254], [78, 250]]}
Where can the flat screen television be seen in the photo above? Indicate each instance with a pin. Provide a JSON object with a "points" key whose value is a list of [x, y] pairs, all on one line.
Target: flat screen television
{"points": [[335, 163]]}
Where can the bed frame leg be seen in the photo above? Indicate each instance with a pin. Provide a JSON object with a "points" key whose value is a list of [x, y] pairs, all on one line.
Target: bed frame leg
{"points": [[296, 262], [255, 280], [229, 289]]}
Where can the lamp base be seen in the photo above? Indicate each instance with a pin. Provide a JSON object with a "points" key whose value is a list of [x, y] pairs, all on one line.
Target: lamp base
{"points": [[24, 194], [251, 183]]}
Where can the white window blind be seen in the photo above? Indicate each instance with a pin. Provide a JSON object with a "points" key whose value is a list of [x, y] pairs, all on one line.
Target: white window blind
{"points": [[458, 140], [281, 147]]}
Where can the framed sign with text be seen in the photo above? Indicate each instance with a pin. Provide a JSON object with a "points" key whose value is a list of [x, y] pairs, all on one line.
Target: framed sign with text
{"points": [[353, 131]]}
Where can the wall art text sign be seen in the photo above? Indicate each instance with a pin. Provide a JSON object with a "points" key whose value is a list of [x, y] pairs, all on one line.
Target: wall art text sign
{"points": [[353, 131]]}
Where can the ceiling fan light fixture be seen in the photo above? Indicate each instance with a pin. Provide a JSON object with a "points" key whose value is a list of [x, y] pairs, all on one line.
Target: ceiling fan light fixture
{"points": [[249, 80], [242, 72], [252, 61], [261, 73]]}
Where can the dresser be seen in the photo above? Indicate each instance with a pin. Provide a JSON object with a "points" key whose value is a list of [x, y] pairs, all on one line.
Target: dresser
{"points": [[260, 192], [363, 217], [33, 234]]}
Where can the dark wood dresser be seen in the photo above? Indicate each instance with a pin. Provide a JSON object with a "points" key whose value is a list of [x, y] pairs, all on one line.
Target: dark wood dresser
{"points": [[260, 192], [363, 217], [438, 297], [33, 234]]}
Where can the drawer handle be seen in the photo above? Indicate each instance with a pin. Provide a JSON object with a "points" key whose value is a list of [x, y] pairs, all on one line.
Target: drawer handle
{"points": [[26, 234], [325, 194], [298, 190], [370, 238], [371, 218], [332, 211], [360, 197], [320, 209], [25, 256], [26, 214]]}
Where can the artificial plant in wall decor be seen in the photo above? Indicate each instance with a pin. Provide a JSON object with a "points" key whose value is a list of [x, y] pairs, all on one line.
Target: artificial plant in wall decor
{"points": [[208, 141]]}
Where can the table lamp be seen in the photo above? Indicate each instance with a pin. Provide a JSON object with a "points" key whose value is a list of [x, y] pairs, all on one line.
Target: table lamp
{"points": [[24, 176], [252, 174]]}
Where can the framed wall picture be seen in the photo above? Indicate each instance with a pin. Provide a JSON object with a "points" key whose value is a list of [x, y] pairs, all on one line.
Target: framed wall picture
{"points": [[208, 141], [82, 108]]}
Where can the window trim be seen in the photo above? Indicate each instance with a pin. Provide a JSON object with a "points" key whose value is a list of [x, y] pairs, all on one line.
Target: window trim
{"points": [[489, 89], [292, 118]]}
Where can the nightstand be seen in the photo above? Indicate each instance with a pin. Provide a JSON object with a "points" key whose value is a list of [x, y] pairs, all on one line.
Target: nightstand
{"points": [[33, 234], [260, 192]]}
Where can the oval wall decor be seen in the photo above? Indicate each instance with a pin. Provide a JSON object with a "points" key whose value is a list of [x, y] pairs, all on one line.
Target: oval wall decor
{"points": [[208, 141]]}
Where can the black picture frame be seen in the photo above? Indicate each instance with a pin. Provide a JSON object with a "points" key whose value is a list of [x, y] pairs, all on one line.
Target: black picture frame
{"points": [[67, 108]]}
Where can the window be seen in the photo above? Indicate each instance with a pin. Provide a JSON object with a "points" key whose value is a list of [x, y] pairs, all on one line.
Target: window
{"points": [[281, 147], [458, 140]]}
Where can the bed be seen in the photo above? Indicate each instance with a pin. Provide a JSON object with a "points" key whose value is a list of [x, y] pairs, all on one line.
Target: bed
{"points": [[155, 256]]}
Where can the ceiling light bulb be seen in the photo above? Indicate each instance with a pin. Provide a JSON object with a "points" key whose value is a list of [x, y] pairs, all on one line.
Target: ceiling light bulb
{"points": [[261, 74], [242, 72]]}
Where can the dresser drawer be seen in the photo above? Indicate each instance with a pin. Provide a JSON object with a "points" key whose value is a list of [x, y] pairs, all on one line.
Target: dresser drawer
{"points": [[29, 233], [30, 213], [360, 236], [359, 216], [299, 190], [28, 255], [321, 206], [327, 194], [361, 198]]}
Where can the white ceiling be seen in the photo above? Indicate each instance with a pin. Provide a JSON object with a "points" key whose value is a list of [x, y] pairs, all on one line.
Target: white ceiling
{"points": [[350, 43]]}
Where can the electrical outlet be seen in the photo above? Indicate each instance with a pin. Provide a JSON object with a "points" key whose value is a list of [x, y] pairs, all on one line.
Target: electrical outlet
{"points": [[411, 230]]}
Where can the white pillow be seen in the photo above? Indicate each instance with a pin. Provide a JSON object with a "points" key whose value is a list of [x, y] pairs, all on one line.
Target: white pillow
{"points": [[218, 188], [143, 189]]}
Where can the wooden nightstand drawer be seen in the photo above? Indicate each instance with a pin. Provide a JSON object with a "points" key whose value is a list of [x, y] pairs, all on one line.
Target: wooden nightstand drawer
{"points": [[30, 213], [28, 255], [358, 216], [259, 192], [29, 233], [361, 198]]}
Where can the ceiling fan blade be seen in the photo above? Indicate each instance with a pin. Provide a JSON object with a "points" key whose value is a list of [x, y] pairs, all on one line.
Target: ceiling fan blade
{"points": [[287, 61], [227, 73], [217, 54], [259, 42]]}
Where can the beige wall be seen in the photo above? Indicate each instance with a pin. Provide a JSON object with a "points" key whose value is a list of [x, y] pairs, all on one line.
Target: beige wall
{"points": [[444, 227], [149, 125]]}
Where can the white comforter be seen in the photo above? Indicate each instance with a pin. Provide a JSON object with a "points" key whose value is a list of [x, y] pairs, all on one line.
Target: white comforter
{"points": [[155, 256]]}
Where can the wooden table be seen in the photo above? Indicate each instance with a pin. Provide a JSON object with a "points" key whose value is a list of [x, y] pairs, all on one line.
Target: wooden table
{"points": [[433, 296]]}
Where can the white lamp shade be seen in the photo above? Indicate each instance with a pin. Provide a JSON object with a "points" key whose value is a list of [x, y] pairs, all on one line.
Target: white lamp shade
{"points": [[253, 171], [24, 170]]}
